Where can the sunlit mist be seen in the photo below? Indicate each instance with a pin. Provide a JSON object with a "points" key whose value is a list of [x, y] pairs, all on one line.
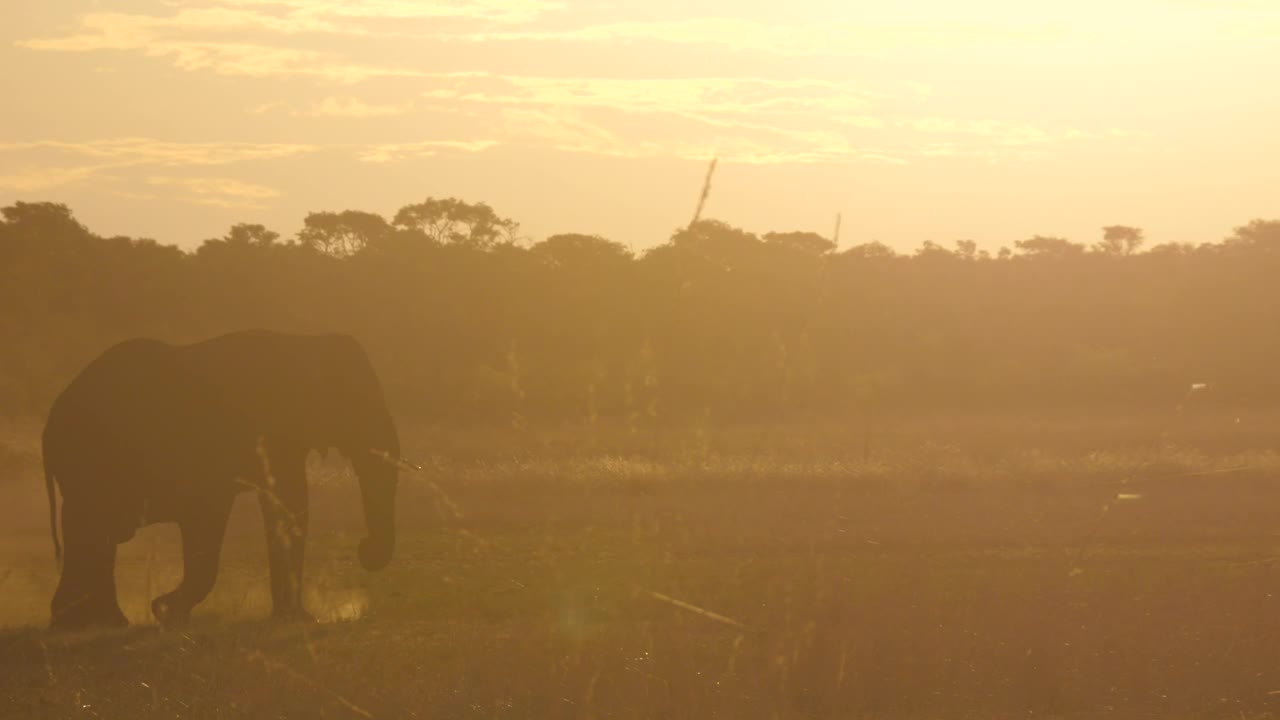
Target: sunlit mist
{"points": [[572, 359]]}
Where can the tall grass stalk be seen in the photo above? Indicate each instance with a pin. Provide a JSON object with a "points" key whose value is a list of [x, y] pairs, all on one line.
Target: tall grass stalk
{"points": [[706, 191]]}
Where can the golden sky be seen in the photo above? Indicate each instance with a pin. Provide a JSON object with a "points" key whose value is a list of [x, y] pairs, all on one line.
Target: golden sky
{"points": [[917, 120]]}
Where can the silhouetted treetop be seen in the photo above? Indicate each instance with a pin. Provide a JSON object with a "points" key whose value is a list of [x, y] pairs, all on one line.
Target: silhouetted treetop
{"points": [[581, 251], [242, 238], [246, 234], [968, 249], [450, 220], [1049, 247], [810, 243], [343, 234], [43, 217], [872, 250], [930, 251], [718, 242], [1119, 240], [50, 226], [1257, 235], [466, 325]]}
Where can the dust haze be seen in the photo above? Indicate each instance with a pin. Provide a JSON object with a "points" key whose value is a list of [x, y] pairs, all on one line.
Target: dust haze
{"points": [[523, 359]]}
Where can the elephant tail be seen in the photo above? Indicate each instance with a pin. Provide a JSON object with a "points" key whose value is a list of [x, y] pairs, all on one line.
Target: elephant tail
{"points": [[53, 512]]}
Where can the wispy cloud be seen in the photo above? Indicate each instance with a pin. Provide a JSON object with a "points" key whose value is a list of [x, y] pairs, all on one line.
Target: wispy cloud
{"points": [[351, 107], [147, 151], [122, 30], [33, 178], [190, 41], [47, 164], [242, 59], [340, 107], [937, 31], [566, 129], [390, 152], [216, 191], [761, 118], [738, 33], [198, 38], [993, 140], [996, 132], [705, 95], [498, 11], [838, 39], [752, 120]]}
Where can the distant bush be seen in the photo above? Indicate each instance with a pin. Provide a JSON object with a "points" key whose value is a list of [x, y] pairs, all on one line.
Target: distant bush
{"points": [[469, 323]]}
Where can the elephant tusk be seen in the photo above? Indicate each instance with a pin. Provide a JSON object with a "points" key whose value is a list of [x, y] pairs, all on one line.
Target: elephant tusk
{"points": [[396, 461]]}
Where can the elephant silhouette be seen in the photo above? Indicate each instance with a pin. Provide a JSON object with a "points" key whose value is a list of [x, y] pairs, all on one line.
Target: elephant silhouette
{"points": [[151, 432]]}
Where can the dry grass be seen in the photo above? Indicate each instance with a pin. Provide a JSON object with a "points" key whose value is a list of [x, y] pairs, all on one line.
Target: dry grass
{"points": [[955, 568]]}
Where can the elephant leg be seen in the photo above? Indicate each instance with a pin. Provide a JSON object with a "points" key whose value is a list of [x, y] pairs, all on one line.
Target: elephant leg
{"points": [[86, 594], [284, 513], [203, 527]]}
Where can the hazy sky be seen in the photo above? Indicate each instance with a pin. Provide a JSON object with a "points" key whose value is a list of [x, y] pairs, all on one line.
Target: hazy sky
{"points": [[918, 120]]}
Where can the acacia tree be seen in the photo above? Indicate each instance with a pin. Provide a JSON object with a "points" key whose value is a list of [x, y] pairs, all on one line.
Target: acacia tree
{"points": [[1258, 234], [870, 250], [241, 236], [810, 243], [343, 234], [47, 227], [247, 234], [968, 249], [718, 243], [1119, 240], [578, 250], [453, 221], [932, 251], [1049, 247]]}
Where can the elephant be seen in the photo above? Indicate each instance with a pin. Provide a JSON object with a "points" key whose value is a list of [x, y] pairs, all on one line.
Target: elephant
{"points": [[151, 432]]}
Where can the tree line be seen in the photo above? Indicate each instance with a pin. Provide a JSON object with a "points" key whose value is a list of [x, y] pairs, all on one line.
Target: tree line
{"points": [[470, 323]]}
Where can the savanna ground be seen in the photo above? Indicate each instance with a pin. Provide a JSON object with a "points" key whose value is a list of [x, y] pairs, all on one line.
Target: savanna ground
{"points": [[965, 567]]}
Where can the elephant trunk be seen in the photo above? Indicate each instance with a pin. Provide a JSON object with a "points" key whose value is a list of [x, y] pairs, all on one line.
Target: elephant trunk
{"points": [[378, 490]]}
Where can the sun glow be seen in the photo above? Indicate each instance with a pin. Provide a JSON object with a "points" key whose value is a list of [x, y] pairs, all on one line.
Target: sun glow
{"points": [[1098, 113]]}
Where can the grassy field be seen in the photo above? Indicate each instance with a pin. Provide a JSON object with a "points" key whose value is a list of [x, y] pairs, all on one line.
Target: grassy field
{"points": [[944, 568]]}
